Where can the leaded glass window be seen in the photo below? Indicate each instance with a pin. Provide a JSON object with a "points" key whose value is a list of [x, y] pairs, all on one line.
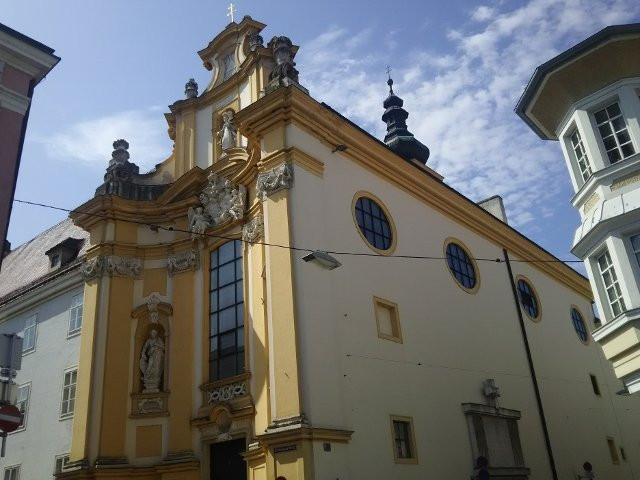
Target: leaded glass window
{"points": [[579, 325], [528, 298], [461, 265], [635, 245], [226, 312], [373, 223]]}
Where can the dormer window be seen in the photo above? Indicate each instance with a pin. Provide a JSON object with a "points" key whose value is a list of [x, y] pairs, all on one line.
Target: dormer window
{"points": [[614, 133], [581, 155], [64, 252], [55, 260]]}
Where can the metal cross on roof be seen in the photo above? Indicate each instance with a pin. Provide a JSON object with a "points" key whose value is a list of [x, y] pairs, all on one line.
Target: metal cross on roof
{"points": [[388, 71], [232, 10]]}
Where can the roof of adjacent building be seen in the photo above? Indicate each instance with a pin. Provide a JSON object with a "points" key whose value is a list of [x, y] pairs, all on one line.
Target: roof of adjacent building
{"points": [[542, 74], [24, 38], [28, 265]]}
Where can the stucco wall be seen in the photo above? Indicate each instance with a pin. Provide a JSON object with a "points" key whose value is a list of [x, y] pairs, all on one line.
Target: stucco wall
{"points": [[354, 380]]}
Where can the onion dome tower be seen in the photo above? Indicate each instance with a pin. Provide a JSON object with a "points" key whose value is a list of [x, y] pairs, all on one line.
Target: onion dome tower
{"points": [[398, 137]]}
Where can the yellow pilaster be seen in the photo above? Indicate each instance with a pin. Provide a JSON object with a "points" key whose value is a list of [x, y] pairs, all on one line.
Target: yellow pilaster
{"points": [[260, 353], [181, 378], [79, 444], [115, 393], [284, 353]]}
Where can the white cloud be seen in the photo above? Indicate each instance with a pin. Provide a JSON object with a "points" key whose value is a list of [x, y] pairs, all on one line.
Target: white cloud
{"points": [[461, 104], [89, 141]]}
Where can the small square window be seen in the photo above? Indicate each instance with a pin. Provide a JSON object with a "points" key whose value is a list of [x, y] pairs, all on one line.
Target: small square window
{"points": [[12, 473], [404, 445], [613, 451], [387, 320]]}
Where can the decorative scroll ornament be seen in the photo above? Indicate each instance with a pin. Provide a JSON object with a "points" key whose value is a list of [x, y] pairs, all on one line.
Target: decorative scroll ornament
{"points": [[92, 268], [183, 261], [123, 266], [112, 265], [221, 201], [274, 180], [227, 392], [254, 229]]}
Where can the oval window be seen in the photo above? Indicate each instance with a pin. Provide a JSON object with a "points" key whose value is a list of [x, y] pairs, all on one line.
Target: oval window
{"points": [[579, 325], [373, 223], [528, 299], [461, 266]]}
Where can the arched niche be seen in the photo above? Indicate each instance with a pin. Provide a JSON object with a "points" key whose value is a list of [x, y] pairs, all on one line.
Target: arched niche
{"points": [[154, 315]]}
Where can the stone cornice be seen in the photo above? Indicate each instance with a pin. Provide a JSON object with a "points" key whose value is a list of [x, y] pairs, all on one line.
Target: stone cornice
{"points": [[13, 101], [290, 105], [25, 57]]}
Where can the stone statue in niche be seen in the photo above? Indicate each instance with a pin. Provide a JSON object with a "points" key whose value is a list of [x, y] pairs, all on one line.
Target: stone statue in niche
{"points": [[152, 362], [228, 134]]}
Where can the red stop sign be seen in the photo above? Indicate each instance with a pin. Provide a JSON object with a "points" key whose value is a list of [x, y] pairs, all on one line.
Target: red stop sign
{"points": [[10, 418]]}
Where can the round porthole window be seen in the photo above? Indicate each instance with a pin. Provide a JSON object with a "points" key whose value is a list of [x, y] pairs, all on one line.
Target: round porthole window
{"points": [[461, 266], [579, 325], [528, 299], [373, 224]]}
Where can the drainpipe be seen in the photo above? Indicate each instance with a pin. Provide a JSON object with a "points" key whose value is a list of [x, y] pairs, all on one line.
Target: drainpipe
{"points": [[532, 369]]}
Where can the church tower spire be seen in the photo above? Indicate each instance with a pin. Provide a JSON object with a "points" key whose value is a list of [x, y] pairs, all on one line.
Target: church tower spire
{"points": [[398, 137]]}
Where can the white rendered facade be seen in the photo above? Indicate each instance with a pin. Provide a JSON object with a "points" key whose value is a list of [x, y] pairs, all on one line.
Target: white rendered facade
{"points": [[45, 387]]}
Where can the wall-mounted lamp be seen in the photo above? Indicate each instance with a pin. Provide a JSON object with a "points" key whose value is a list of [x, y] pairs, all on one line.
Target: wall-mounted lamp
{"points": [[588, 472], [323, 259]]}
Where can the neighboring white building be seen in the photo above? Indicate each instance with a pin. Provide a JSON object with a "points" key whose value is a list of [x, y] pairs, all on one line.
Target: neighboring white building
{"points": [[587, 98], [41, 295]]}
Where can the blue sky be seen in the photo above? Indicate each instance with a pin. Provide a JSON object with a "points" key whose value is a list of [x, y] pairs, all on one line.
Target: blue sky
{"points": [[459, 65]]}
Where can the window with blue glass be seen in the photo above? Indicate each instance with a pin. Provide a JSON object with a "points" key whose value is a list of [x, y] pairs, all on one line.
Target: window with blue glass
{"points": [[226, 312], [579, 325], [373, 223], [528, 299], [461, 265]]}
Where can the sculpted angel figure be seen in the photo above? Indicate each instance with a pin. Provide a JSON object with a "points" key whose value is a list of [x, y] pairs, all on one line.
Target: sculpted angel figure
{"points": [[198, 222], [228, 133], [152, 362]]}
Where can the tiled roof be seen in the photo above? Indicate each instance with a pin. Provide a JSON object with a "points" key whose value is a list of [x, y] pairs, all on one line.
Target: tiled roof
{"points": [[29, 264]]}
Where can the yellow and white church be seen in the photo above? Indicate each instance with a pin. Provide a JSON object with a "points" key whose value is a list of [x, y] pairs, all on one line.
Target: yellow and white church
{"points": [[254, 308]]}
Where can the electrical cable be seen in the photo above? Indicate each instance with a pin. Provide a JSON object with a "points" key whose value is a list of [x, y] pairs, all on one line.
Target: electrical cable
{"points": [[154, 226]]}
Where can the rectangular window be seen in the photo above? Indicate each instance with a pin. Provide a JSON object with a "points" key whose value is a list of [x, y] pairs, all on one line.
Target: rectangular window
{"points": [[22, 402], [613, 451], [29, 335], [75, 314], [12, 473], [635, 246], [387, 320], [594, 384], [614, 133], [226, 312], [61, 463], [611, 285], [69, 393], [404, 448], [581, 155]]}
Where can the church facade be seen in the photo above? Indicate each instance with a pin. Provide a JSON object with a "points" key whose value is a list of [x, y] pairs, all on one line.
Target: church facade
{"points": [[287, 297]]}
